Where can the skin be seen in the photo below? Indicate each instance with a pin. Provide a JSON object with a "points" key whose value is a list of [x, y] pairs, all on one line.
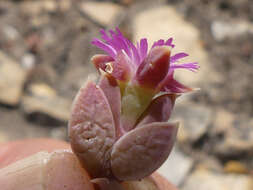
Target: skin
{"points": [[9, 155]]}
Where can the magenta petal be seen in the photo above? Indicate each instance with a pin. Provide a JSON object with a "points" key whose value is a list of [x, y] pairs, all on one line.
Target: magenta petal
{"points": [[104, 36], [177, 56], [169, 42], [112, 93], [158, 43], [189, 66], [163, 43], [143, 49], [91, 130], [107, 48], [159, 110], [170, 85], [143, 150], [135, 54]]}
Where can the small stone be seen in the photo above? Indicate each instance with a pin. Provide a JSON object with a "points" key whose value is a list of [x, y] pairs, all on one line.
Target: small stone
{"points": [[33, 8], [236, 140], [64, 5], [103, 13], [12, 79], [3, 137], [235, 167], [194, 121], [176, 167], [204, 179], [44, 100], [11, 33], [222, 29], [222, 121], [42, 90], [59, 133], [50, 5], [28, 61]]}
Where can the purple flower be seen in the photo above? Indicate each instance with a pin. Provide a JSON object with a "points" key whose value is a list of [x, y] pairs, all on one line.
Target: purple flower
{"points": [[129, 63], [119, 127]]}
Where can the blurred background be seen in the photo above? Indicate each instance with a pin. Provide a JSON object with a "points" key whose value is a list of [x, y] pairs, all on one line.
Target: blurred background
{"points": [[44, 59]]}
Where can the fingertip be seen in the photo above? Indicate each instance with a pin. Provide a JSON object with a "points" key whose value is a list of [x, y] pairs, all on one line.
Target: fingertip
{"points": [[50, 171], [16, 150], [64, 171], [162, 182]]}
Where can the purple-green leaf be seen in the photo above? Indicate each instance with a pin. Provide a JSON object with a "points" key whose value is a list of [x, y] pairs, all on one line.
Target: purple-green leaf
{"points": [[143, 150], [92, 130], [112, 92]]}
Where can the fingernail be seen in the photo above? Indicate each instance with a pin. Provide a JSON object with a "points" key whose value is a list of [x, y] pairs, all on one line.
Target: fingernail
{"points": [[46, 171]]}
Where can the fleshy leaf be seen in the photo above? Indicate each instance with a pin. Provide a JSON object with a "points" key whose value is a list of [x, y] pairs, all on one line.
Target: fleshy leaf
{"points": [[143, 150], [159, 110], [112, 93], [92, 130]]}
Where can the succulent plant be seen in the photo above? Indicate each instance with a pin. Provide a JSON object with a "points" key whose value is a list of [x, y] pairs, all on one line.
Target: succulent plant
{"points": [[119, 126]]}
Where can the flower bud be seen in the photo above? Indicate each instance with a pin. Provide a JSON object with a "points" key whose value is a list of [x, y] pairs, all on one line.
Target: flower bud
{"points": [[154, 68]]}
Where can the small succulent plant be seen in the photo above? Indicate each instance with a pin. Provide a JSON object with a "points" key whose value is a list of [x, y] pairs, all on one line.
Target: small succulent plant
{"points": [[119, 126]]}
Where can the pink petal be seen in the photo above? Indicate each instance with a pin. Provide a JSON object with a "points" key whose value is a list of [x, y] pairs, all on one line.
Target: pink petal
{"points": [[143, 150], [135, 54], [143, 49], [169, 43], [107, 48], [178, 56], [104, 36], [189, 66], [170, 85], [91, 130]]}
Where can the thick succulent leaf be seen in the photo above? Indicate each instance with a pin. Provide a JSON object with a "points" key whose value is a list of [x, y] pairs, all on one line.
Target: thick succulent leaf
{"points": [[112, 92], [159, 110], [91, 130], [143, 150]]}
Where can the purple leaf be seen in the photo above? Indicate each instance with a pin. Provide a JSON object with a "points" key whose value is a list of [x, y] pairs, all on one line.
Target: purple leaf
{"points": [[159, 110], [143, 150], [112, 93], [91, 130]]}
